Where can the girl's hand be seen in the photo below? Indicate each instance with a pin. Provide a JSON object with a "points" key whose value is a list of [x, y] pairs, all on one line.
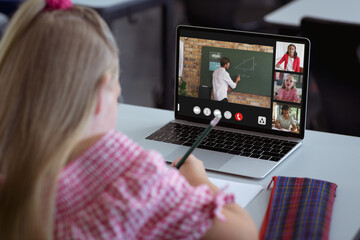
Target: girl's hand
{"points": [[193, 170], [239, 224]]}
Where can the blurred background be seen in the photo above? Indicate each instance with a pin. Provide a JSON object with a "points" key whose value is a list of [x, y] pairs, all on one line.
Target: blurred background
{"points": [[145, 33]]}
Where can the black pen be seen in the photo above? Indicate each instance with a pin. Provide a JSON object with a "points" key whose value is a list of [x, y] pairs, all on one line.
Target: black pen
{"points": [[199, 140]]}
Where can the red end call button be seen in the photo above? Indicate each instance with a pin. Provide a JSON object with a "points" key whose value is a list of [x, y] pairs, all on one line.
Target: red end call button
{"points": [[239, 116]]}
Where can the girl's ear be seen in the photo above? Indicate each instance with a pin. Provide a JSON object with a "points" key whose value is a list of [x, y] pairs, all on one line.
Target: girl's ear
{"points": [[103, 88]]}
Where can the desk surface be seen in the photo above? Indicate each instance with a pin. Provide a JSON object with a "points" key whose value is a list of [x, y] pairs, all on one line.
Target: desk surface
{"points": [[334, 10], [325, 156]]}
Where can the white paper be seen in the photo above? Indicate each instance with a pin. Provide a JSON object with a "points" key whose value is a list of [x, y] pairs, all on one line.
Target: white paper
{"points": [[243, 192]]}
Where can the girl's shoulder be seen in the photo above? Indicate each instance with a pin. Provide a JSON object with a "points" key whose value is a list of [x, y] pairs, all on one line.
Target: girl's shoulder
{"points": [[112, 147], [122, 153], [129, 191], [113, 161]]}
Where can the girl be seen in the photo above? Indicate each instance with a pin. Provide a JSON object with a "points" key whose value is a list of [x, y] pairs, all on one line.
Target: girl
{"points": [[292, 61], [66, 174], [288, 92], [285, 121]]}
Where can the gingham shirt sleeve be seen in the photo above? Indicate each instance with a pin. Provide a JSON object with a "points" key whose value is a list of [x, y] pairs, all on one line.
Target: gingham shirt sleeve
{"points": [[163, 203], [148, 201]]}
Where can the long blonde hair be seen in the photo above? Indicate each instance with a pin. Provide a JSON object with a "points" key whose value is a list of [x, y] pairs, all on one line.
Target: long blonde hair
{"points": [[51, 62]]}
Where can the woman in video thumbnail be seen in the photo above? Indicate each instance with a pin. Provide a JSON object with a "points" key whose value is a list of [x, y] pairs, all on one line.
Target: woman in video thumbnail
{"points": [[285, 121], [288, 91], [291, 59]]}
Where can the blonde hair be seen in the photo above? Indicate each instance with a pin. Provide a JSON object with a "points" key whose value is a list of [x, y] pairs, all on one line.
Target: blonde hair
{"points": [[51, 63], [286, 77]]}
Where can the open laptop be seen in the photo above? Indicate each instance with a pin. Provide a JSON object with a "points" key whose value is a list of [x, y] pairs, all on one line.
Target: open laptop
{"points": [[263, 116]]}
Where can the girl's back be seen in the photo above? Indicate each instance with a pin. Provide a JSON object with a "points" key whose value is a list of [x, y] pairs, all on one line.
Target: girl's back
{"points": [[67, 173]]}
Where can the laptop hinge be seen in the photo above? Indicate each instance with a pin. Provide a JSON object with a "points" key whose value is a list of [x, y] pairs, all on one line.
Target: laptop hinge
{"points": [[239, 131]]}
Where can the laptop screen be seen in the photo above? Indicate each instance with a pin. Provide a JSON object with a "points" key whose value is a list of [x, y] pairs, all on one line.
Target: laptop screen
{"points": [[258, 82]]}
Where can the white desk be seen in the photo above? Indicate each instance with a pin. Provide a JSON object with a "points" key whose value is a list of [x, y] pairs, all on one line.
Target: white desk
{"points": [[325, 156], [290, 15]]}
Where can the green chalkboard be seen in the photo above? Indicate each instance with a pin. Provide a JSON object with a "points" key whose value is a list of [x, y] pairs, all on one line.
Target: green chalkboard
{"points": [[255, 68]]}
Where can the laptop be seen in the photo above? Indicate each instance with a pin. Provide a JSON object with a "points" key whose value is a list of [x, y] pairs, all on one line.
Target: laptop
{"points": [[263, 115]]}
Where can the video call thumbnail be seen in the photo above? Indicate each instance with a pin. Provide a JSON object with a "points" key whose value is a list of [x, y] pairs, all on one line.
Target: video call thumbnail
{"points": [[247, 69], [289, 57], [288, 87], [286, 117]]}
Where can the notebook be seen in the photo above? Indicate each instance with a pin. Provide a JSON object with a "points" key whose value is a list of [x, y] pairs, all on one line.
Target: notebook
{"points": [[263, 113], [244, 193]]}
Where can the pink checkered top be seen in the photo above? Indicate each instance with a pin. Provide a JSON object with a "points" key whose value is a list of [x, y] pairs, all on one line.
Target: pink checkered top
{"points": [[117, 190]]}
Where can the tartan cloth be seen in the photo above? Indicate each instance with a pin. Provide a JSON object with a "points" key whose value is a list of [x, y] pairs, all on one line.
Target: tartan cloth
{"points": [[299, 208]]}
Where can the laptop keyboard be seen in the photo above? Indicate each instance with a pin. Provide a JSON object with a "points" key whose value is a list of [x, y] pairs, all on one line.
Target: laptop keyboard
{"points": [[224, 141]]}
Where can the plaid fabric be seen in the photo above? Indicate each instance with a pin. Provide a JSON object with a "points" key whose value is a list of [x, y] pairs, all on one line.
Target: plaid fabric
{"points": [[299, 208], [117, 190]]}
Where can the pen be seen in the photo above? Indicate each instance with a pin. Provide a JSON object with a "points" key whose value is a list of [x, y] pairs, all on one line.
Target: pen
{"points": [[199, 140]]}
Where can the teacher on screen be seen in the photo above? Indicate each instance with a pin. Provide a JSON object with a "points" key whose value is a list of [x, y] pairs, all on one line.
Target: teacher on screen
{"points": [[222, 80]]}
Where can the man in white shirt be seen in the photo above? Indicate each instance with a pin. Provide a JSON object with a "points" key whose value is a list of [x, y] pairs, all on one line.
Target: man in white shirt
{"points": [[222, 80]]}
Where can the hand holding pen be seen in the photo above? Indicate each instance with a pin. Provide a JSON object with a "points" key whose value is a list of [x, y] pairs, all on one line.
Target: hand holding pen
{"points": [[212, 124]]}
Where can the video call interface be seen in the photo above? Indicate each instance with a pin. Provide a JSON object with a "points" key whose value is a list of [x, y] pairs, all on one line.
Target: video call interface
{"points": [[255, 84]]}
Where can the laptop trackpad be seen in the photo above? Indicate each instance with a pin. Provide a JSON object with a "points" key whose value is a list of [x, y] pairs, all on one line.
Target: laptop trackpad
{"points": [[212, 160]]}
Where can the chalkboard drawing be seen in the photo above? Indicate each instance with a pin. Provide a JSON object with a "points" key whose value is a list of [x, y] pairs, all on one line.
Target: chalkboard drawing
{"points": [[214, 60], [257, 80], [248, 64]]}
